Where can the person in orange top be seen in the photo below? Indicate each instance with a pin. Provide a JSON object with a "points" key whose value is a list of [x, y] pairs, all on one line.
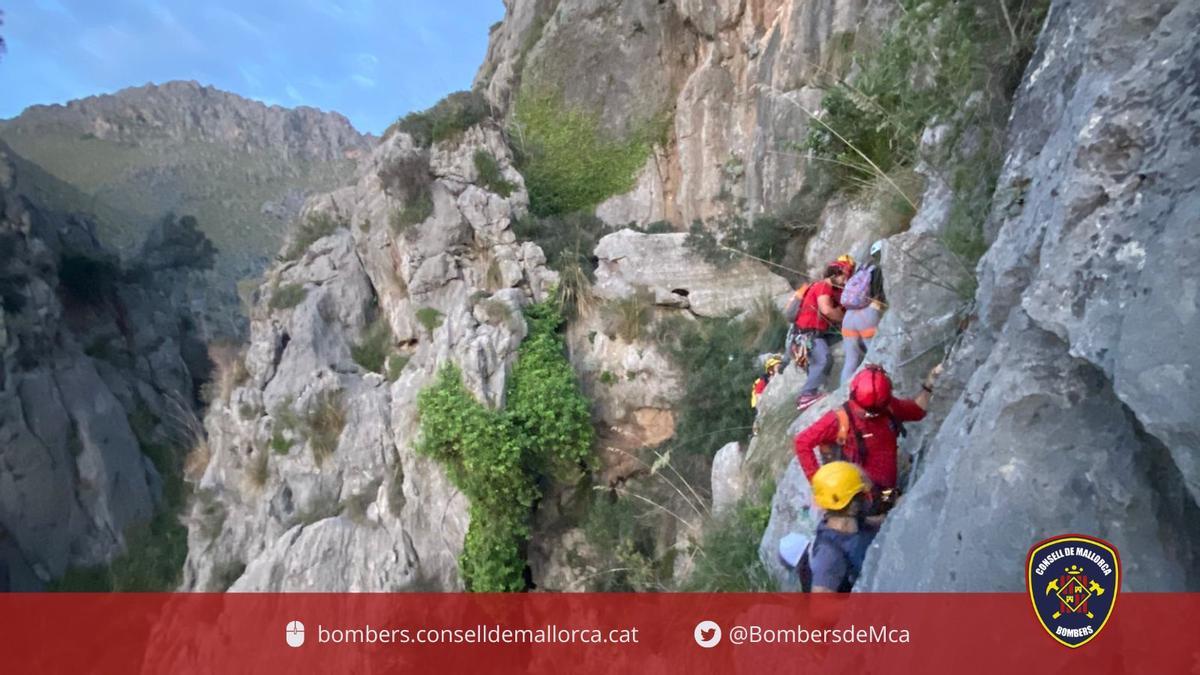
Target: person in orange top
{"points": [[816, 311]]}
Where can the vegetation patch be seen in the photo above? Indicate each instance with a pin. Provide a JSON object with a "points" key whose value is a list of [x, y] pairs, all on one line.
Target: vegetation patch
{"points": [[568, 163], [727, 558], [447, 119], [87, 279], [430, 318], [287, 296], [324, 423], [497, 458], [372, 350], [629, 318], [942, 61], [718, 358], [414, 212], [491, 176], [395, 366], [766, 238], [568, 240], [316, 225]]}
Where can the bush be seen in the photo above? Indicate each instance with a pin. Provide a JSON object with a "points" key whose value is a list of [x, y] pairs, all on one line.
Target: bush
{"points": [[566, 239], [430, 318], [287, 296], [372, 350], [727, 560], [286, 422], [414, 212], [316, 225], [718, 360], [568, 163], [87, 279], [628, 318], [491, 176], [395, 366], [324, 424], [228, 371], [447, 119], [280, 444], [498, 457], [616, 528], [766, 238]]}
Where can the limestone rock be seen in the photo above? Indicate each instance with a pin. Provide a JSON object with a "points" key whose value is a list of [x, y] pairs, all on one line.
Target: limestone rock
{"points": [[737, 80], [94, 368], [728, 480], [629, 260], [1076, 415], [282, 507]]}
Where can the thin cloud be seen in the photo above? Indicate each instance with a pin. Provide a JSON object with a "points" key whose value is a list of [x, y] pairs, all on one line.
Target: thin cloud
{"points": [[362, 80]]}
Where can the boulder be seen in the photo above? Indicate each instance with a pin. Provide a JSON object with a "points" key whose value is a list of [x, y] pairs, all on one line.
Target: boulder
{"points": [[728, 479], [629, 260]]}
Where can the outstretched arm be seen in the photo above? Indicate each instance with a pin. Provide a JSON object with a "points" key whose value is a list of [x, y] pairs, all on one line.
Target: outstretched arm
{"points": [[922, 399]]}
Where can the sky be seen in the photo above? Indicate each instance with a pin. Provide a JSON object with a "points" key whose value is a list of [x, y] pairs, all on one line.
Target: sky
{"points": [[372, 61]]}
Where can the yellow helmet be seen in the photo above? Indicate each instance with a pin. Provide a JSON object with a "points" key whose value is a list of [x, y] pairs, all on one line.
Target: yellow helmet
{"points": [[836, 484], [772, 361], [847, 258]]}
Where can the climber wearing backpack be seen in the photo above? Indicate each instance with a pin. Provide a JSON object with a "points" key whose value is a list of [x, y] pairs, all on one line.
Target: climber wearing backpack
{"points": [[835, 557], [771, 368], [864, 302], [814, 311], [864, 430]]}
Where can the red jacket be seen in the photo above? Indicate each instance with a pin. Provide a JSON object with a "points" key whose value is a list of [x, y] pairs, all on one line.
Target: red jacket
{"points": [[810, 317], [878, 436]]}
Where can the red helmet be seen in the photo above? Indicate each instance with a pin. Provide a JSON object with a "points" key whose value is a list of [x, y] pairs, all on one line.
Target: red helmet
{"points": [[871, 388]]}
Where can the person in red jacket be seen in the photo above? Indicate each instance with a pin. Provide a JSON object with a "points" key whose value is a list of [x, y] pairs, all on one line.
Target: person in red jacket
{"points": [[815, 311], [864, 430]]}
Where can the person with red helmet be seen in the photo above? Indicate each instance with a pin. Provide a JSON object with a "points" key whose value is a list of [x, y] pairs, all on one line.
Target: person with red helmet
{"points": [[815, 312], [865, 428]]}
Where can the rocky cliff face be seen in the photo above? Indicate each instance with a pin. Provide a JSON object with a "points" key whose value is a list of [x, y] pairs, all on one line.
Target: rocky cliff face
{"points": [[734, 78], [1077, 410], [98, 368], [313, 483]]}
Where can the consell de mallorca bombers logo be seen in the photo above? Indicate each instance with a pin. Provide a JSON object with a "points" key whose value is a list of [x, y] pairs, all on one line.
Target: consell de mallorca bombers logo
{"points": [[1073, 582]]}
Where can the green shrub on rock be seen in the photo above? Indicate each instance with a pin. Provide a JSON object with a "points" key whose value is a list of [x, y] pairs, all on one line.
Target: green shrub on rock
{"points": [[498, 457], [568, 163], [447, 119]]}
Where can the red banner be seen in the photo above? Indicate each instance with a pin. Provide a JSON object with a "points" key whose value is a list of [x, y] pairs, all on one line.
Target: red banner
{"points": [[895, 633]]}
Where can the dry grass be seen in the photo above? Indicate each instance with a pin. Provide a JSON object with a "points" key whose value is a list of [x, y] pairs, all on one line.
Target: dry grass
{"points": [[575, 297], [325, 421], [629, 318], [228, 371]]}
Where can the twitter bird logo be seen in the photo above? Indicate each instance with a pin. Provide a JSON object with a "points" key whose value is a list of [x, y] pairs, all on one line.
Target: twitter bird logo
{"points": [[707, 634]]}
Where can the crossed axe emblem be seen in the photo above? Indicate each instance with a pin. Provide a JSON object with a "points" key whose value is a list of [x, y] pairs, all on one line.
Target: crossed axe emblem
{"points": [[1069, 600]]}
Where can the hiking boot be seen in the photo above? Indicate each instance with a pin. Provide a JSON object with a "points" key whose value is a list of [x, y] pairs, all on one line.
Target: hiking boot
{"points": [[806, 400]]}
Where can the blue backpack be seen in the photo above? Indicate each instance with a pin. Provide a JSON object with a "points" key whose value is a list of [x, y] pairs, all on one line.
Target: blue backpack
{"points": [[857, 293]]}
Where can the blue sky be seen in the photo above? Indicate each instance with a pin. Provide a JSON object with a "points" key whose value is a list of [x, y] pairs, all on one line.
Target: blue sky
{"points": [[369, 60]]}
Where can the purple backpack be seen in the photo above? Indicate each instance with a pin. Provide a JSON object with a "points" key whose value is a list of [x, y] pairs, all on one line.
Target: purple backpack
{"points": [[857, 293]]}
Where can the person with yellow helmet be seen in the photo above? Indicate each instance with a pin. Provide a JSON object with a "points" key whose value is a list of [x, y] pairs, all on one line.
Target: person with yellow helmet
{"points": [[773, 365], [835, 558]]}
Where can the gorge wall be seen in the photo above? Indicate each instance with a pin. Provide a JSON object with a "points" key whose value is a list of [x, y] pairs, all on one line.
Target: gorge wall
{"points": [[1065, 405]]}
